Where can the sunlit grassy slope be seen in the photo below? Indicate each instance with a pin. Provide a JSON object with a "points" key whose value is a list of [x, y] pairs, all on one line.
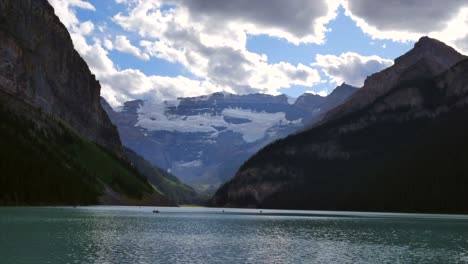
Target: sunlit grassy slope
{"points": [[42, 161]]}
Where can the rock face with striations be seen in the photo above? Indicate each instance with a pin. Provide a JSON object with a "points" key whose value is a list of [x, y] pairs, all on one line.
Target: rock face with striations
{"points": [[58, 146], [40, 67], [398, 144]]}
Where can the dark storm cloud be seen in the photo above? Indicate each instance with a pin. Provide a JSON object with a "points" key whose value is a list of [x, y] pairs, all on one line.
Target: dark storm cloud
{"points": [[294, 16], [420, 16]]}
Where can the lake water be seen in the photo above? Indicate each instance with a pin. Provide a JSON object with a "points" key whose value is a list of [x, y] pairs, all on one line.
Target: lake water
{"points": [[200, 235]]}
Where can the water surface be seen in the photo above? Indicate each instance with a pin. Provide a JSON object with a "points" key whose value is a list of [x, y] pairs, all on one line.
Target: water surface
{"points": [[200, 235]]}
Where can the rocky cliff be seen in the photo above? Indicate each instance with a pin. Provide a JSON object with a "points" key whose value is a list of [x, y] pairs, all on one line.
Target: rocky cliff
{"points": [[58, 146], [399, 144], [429, 57], [40, 67]]}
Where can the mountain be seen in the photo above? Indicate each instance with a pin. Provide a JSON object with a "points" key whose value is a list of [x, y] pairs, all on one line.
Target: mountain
{"points": [[41, 67], [58, 144], [398, 144], [203, 140], [164, 182]]}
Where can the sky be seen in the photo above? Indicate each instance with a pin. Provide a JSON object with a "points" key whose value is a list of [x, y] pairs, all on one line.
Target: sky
{"points": [[164, 49]]}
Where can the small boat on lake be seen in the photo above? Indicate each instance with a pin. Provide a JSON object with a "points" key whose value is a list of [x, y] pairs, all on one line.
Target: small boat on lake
{"points": [[155, 211]]}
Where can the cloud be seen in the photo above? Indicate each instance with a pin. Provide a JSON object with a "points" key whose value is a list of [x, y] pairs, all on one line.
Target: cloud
{"points": [[322, 93], [108, 44], [294, 20], [122, 44], [351, 67], [130, 84], [209, 38], [411, 15], [409, 20], [213, 50], [85, 28], [463, 43], [94, 54], [64, 10], [119, 86], [297, 21]]}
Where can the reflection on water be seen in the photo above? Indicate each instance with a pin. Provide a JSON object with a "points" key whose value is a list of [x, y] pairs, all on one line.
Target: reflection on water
{"points": [[178, 235]]}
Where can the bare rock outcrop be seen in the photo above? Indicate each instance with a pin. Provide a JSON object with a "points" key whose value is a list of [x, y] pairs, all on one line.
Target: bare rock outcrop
{"points": [[40, 67]]}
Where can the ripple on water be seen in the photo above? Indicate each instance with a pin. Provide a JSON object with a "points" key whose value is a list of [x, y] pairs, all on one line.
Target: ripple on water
{"points": [[130, 235]]}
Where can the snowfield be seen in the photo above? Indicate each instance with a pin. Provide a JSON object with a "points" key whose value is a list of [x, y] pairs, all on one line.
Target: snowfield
{"points": [[153, 117]]}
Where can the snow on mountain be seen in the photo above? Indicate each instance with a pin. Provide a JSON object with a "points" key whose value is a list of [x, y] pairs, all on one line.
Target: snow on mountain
{"points": [[251, 124], [203, 140]]}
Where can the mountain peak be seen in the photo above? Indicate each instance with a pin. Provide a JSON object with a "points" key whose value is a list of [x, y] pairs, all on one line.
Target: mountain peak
{"points": [[438, 53], [341, 93], [427, 59], [344, 86], [427, 41]]}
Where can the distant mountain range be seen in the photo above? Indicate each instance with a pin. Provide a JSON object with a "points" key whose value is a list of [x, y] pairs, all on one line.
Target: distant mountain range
{"points": [[398, 144], [58, 146], [203, 140]]}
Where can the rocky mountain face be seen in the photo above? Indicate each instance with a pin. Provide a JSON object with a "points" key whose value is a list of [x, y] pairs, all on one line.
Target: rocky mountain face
{"points": [[398, 144], [40, 67], [203, 140], [429, 57], [58, 146]]}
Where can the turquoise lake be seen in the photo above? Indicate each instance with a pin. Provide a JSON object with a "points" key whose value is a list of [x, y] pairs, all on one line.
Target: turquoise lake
{"points": [[209, 235]]}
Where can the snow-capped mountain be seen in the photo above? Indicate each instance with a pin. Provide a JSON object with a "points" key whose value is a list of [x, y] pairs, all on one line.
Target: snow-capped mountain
{"points": [[203, 140]]}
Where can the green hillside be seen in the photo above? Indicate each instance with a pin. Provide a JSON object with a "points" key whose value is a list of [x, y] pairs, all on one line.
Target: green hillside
{"points": [[43, 161], [165, 182]]}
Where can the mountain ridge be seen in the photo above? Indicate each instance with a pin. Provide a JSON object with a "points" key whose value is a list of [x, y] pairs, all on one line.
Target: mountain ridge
{"points": [[379, 83], [59, 147], [402, 151], [203, 140]]}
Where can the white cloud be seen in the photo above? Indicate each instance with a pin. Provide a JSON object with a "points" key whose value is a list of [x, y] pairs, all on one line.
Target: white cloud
{"points": [[409, 20], [95, 55], [212, 50], [108, 44], [351, 67], [322, 93], [463, 43], [122, 44], [85, 28], [130, 84], [209, 38], [215, 53], [297, 21], [64, 10], [294, 20], [118, 86]]}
